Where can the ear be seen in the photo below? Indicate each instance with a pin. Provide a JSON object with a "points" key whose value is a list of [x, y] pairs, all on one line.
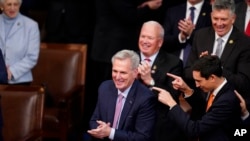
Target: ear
{"points": [[212, 77], [135, 73], [233, 18], [160, 43]]}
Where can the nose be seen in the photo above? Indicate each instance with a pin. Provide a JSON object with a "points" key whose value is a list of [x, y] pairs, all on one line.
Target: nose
{"points": [[197, 84]]}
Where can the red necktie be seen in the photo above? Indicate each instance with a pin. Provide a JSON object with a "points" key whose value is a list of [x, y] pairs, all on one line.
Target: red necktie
{"points": [[248, 29]]}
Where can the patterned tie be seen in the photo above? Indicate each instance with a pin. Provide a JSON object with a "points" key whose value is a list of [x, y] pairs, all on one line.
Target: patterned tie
{"points": [[118, 110], [247, 31], [210, 101], [188, 46], [218, 51]]}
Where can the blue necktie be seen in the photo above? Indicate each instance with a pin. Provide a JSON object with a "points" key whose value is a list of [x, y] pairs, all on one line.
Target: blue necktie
{"points": [[188, 47], [192, 13]]}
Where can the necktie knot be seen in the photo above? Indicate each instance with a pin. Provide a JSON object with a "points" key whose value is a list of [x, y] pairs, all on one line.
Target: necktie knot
{"points": [[192, 8], [219, 40], [120, 97], [147, 59]]}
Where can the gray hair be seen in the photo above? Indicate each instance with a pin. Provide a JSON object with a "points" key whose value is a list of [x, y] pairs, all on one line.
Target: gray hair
{"points": [[224, 4], [127, 54], [157, 25], [3, 1]]}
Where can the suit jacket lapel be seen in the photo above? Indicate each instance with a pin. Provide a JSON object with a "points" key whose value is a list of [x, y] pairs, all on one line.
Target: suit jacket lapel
{"points": [[128, 104], [210, 41], [229, 46], [17, 25], [222, 90], [202, 16], [112, 104], [159, 60]]}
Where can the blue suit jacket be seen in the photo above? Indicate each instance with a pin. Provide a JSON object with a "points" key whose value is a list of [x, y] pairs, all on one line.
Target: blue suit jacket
{"points": [[138, 115], [218, 123], [20, 48]]}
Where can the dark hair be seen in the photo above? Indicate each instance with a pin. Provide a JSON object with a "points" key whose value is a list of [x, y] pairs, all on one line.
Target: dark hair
{"points": [[208, 65]]}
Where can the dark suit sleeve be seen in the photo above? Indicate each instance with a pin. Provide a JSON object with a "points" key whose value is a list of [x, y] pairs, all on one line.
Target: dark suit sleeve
{"points": [[224, 110], [198, 103]]}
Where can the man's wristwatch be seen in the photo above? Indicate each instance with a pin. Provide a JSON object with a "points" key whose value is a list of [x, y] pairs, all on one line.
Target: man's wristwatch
{"points": [[152, 83]]}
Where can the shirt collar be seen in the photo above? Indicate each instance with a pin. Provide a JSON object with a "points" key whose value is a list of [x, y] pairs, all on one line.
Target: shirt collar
{"points": [[197, 5], [152, 57], [125, 93], [225, 37], [215, 91]]}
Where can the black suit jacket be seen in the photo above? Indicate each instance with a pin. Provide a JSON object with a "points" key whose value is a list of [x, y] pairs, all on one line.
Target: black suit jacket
{"points": [[235, 58], [166, 63], [240, 12], [218, 123], [173, 16]]}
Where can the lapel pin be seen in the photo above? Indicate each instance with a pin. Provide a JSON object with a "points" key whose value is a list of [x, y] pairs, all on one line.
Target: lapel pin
{"points": [[231, 41], [204, 14], [154, 68]]}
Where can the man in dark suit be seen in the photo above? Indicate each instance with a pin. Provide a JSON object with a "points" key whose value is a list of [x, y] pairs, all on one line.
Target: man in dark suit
{"points": [[179, 27], [153, 68], [223, 111], [242, 15], [234, 50], [137, 116], [117, 26]]}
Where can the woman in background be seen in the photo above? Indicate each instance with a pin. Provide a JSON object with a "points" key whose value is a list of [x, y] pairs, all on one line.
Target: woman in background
{"points": [[19, 42]]}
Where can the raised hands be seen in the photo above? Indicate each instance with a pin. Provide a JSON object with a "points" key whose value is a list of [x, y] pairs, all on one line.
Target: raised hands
{"points": [[103, 130], [186, 28], [165, 97], [152, 4], [179, 84], [144, 70], [243, 106]]}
